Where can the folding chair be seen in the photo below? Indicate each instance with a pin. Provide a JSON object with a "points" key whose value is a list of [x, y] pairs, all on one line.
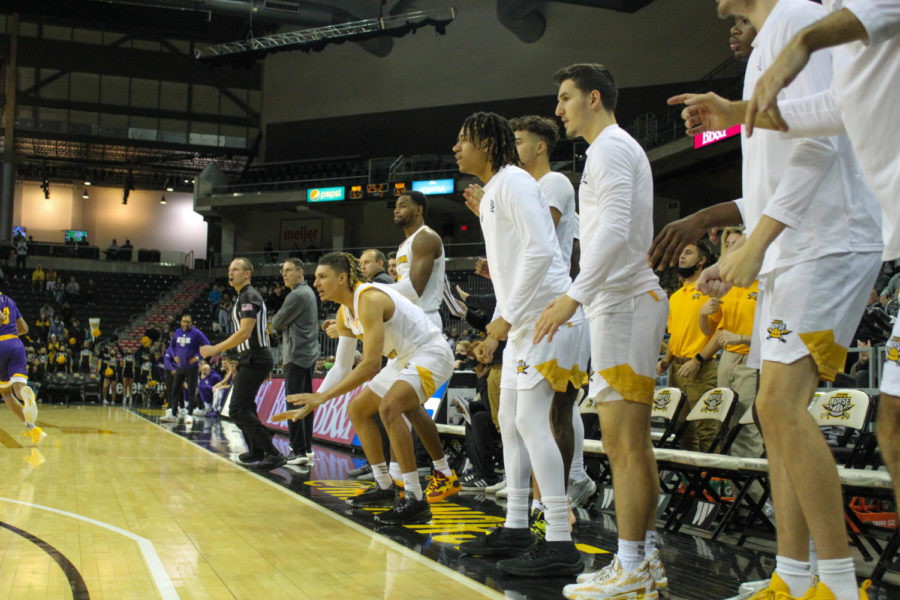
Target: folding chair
{"points": [[847, 408], [667, 405]]}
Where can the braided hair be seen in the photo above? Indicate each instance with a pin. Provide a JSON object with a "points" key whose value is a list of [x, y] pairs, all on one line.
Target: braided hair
{"points": [[493, 133], [344, 262]]}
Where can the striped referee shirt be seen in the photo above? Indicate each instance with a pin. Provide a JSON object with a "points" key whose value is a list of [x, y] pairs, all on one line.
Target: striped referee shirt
{"points": [[250, 305]]}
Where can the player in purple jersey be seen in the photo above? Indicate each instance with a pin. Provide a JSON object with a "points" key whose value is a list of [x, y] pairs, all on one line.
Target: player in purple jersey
{"points": [[14, 368]]}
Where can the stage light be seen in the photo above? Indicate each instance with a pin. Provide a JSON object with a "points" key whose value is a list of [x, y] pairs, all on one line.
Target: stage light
{"points": [[84, 194], [162, 200], [170, 185]]}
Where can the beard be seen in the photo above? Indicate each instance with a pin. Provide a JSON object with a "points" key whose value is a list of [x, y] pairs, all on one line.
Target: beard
{"points": [[685, 272]]}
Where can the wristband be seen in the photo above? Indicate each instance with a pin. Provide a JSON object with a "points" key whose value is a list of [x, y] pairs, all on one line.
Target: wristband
{"points": [[700, 358]]}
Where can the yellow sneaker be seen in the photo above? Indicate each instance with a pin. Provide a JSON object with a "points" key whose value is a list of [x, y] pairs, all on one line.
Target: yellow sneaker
{"points": [[398, 483], [441, 487], [35, 434]]}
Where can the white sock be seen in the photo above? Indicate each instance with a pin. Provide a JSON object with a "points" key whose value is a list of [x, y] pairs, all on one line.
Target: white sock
{"points": [[537, 505], [516, 508], [576, 470], [557, 517], [795, 574], [631, 554], [443, 466], [395, 471], [649, 543], [839, 575], [411, 485], [380, 472]]}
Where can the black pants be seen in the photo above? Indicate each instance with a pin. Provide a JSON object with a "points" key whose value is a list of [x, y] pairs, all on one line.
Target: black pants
{"points": [[177, 396], [253, 368], [298, 380], [481, 438]]}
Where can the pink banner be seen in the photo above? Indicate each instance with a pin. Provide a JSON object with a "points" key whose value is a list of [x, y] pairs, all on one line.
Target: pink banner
{"points": [[331, 423], [711, 137]]}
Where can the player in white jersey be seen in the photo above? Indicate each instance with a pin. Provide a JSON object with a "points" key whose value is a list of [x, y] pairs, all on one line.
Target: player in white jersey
{"points": [[420, 279], [627, 310], [389, 325], [813, 238], [420, 258], [527, 271], [535, 138]]}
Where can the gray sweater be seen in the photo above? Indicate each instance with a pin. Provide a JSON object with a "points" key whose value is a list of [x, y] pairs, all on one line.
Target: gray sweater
{"points": [[298, 320]]}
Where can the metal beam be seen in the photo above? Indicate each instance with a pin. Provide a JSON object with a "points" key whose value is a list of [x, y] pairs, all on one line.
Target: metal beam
{"points": [[153, 113]]}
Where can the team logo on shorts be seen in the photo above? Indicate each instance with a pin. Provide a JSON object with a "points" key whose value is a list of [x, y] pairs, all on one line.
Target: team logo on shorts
{"points": [[661, 401], [712, 402], [838, 407], [777, 331], [522, 368], [751, 296], [893, 350]]}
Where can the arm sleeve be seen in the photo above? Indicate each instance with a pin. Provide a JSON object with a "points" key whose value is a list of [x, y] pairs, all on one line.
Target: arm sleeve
{"points": [[529, 216], [811, 158], [881, 18], [812, 116], [611, 175], [343, 363], [288, 312]]}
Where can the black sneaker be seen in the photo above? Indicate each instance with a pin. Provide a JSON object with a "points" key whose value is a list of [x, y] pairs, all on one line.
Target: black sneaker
{"points": [[545, 559], [249, 457], [363, 470], [473, 483], [270, 462], [373, 496], [406, 511], [502, 541]]}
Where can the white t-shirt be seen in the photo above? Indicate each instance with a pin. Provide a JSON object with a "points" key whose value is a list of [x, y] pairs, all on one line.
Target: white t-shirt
{"points": [[616, 214], [560, 194], [522, 250], [864, 101], [812, 185]]}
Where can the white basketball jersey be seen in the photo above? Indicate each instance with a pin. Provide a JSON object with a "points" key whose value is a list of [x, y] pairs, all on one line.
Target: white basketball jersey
{"points": [[433, 294]]}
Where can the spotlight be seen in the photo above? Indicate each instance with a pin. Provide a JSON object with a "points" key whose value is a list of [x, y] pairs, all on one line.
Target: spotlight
{"points": [[170, 184], [87, 179], [84, 194], [127, 187], [45, 185], [163, 199]]}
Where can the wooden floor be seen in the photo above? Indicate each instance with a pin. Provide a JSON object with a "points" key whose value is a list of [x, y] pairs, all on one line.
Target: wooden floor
{"points": [[112, 506]]}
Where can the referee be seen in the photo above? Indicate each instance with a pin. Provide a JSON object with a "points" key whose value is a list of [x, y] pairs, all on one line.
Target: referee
{"points": [[251, 340], [298, 319]]}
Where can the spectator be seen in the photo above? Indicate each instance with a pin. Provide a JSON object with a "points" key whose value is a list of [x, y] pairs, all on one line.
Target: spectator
{"points": [[884, 277], [271, 256], [40, 329], [214, 297], [465, 358], [875, 325], [66, 312], [21, 246], [860, 369], [127, 245], [46, 312], [73, 289], [220, 389], [319, 370], [225, 306], [392, 265], [57, 329], [75, 333], [51, 277], [372, 263], [275, 298], [112, 251], [89, 291], [37, 279]]}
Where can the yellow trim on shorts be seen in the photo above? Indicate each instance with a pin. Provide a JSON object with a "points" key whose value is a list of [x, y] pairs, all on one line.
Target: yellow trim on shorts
{"points": [[653, 294], [8, 336], [829, 356], [630, 385], [427, 379], [559, 377]]}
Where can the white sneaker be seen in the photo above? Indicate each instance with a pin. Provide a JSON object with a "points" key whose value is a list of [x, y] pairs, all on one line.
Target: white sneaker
{"points": [[501, 493], [310, 455], [199, 412], [616, 584], [581, 491], [657, 570], [188, 420], [749, 589], [168, 416], [493, 489]]}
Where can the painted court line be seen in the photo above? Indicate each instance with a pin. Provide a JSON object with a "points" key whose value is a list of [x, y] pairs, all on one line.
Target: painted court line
{"points": [[151, 558], [395, 546]]}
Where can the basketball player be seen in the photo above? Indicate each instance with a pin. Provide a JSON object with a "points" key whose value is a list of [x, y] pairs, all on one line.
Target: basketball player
{"points": [[19, 398], [420, 279], [527, 271], [389, 325], [815, 272], [535, 138], [627, 310], [251, 340]]}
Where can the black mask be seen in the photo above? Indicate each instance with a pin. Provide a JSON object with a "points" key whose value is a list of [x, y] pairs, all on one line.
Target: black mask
{"points": [[686, 272]]}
